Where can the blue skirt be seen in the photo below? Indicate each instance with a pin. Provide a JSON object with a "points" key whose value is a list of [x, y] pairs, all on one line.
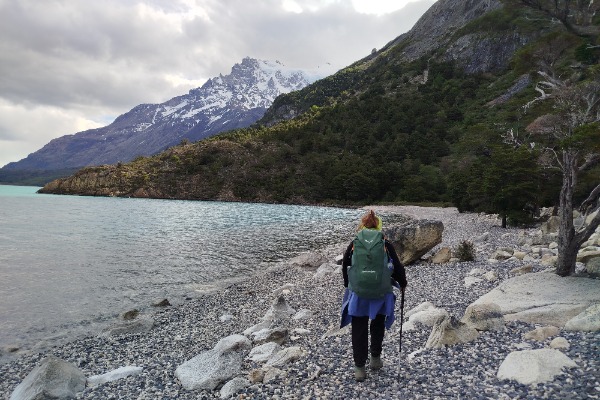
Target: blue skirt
{"points": [[355, 306]]}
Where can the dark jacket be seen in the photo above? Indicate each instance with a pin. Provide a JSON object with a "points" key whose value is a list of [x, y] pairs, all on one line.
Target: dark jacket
{"points": [[398, 275]]}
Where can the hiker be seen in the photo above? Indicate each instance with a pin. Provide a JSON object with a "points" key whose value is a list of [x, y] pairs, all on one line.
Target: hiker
{"points": [[363, 300]]}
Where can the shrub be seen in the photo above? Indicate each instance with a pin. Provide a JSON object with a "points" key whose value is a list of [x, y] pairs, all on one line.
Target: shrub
{"points": [[465, 251]]}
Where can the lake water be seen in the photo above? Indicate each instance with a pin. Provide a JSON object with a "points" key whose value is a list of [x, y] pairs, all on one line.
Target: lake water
{"points": [[68, 264]]}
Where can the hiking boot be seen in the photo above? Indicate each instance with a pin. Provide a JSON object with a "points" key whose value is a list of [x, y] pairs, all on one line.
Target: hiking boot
{"points": [[376, 363], [360, 374]]}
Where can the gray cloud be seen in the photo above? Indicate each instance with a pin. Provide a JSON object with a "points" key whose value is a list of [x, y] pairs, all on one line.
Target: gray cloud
{"points": [[79, 61]]}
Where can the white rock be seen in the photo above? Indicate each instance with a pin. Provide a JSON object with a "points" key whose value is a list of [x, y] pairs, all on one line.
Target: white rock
{"points": [[226, 317], [301, 331], [209, 369], [337, 332], [415, 353], [530, 367], [233, 386], [264, 352], [421, 307], [303, 314], [114, 375], [425, 313], [560, 343], [286, 356], [257, 328], [490, 276], [588, 320]]}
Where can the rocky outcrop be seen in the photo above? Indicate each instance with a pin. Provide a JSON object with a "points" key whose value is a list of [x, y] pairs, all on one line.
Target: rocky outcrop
{"points": [[52, 379], [543, 298]]}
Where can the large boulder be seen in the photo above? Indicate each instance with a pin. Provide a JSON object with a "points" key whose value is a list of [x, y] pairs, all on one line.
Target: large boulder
{"points": [[415, 238], [530, 367], [52, 379], [211, 368], [543, 298]]}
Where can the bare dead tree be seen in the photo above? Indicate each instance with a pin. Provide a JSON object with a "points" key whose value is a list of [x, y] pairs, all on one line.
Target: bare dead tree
{"points": [[571, 140]]}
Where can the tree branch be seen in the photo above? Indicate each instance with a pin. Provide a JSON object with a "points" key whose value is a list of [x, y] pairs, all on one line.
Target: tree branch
{"points": [[588, 203], [589, 163], [586, 231]]}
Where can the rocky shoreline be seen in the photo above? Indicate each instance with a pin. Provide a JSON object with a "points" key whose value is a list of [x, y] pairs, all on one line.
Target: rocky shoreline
{"points": [[323, 368]]}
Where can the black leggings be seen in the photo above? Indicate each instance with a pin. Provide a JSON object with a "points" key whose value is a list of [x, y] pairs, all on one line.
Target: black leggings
{"points": [[360, 338]]}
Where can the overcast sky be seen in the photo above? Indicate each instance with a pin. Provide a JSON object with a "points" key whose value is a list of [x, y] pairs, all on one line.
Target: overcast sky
{"points": [[71, 65]]}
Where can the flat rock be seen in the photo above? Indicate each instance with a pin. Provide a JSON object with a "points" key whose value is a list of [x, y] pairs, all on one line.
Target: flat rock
{"points": [[530, 367], [543, 298], [114, 375]]}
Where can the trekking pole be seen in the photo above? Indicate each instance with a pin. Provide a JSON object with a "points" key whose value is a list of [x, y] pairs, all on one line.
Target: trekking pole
{"points": [[401, 323]]}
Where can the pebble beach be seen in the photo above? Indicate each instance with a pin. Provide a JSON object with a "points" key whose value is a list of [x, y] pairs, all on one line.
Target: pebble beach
{"points": [[463, 371]]}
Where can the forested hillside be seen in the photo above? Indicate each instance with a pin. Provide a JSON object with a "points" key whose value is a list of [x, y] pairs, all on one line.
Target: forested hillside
{"points": [[391, 128]]}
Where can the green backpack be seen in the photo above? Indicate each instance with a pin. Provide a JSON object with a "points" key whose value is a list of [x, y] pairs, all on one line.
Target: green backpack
{"points": [[369, 276]]}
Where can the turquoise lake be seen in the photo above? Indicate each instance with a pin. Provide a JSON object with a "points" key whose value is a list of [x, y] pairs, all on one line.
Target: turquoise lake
{"points": [[69, 264]]}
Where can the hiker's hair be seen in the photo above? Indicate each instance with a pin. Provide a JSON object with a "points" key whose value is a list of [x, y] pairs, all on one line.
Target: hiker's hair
{"points": [[369, 221]]}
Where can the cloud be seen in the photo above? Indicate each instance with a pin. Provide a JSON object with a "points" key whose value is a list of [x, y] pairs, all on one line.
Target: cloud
{"points": [[74, 61]]}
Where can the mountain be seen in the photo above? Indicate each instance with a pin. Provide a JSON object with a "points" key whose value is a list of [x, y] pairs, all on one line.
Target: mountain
{"points": [[420, 120], [223, 103]]}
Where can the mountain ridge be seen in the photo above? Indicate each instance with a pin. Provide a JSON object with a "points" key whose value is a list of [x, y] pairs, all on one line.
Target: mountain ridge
{"points": [[222, 103]]}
